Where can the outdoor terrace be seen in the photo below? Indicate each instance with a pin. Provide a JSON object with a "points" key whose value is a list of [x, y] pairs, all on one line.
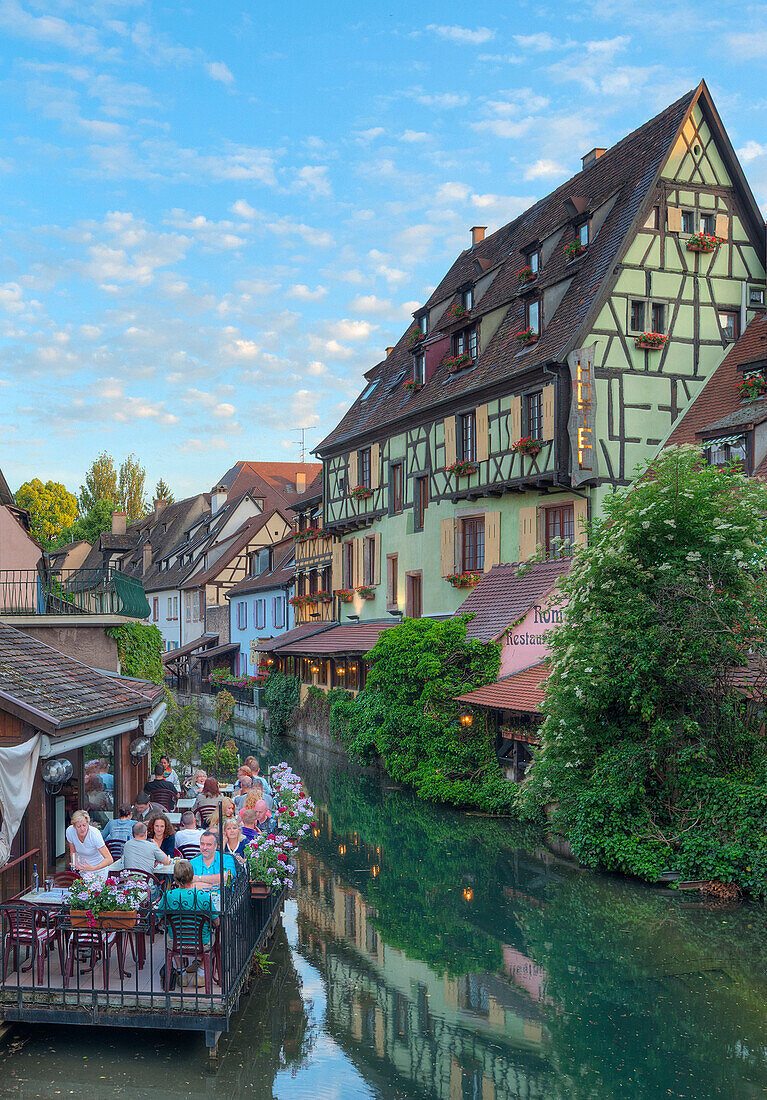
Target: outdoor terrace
{"points": [[73, 592]]}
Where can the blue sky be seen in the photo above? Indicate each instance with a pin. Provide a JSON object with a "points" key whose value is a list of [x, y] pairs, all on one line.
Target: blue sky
{"points": [[217, 215]]}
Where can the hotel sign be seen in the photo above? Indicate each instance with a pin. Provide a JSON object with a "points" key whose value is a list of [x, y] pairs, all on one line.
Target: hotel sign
{"points": [[583, 404]]}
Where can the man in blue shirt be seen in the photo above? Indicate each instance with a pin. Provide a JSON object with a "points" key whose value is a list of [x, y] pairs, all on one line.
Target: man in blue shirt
{"points": [[207, 865], [119, 828]]}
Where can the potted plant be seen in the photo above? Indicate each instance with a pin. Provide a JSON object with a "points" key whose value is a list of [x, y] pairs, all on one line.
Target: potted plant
{"points": [[412, 385], [525, 336], [467, 579], [752, 388], [454, 363], [526, 275], [360, 492], [95, 902], [527, 446], [456, 312], [295, 810], [345, 595], [702, 242], [307, 534], [269, 867], [366, 591], [461, 469], [323, 597], [574, 248], [414, 337], [651, 341]]}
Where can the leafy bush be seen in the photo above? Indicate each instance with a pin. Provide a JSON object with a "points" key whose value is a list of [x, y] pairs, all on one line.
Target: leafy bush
{"points": [[178, 737], [139, 646], [223, 763], [280, 697]]}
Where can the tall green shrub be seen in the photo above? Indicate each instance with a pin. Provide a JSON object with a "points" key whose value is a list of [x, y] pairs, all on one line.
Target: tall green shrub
{"points": [[139, 646], [281, 698]]}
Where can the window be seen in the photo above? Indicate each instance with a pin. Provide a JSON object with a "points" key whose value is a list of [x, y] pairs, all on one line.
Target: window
{"points": [[348, 563], [467, 436], [466, 342], [327, 578], [473, 543], [756, 296], [419, 368], [173, 607], [534, 261], [582, 233], [278, 611], [658, 312], [423, 323], [720, 452], [369, 560], [300, 584], [188, 607], [533, 316], [313, 582], [369, 389], [259, 612], [708, 223], [688, 221], [467, 298], [559, 530], [421, 501], [636, 322], [363, 467], [729, 321], [534, 415], [156, 609], [414, 595], [259, 561], [242, 615], [396, 489], [391, 580]]}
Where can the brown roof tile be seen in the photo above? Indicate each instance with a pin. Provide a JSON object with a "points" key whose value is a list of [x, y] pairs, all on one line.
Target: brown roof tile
{"points": [[503, 597], [521, 691], [347, 638], [305, 630]]}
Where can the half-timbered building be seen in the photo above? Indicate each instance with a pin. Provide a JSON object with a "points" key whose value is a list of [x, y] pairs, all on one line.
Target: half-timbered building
{"points": [[555, 356]]}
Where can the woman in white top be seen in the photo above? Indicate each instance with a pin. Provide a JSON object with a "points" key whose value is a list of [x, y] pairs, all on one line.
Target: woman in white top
{"points": [[87, 849]]}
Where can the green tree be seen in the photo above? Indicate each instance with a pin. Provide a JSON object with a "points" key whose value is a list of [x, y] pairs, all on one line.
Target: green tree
{"points": [[131, 488], [162, 492], [52, 508], [652, 755], [90, 526], [408, 714], [100, 483], [179, 735]]}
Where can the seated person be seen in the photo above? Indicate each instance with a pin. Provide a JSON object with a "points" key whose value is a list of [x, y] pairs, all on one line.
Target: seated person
{"points": [[160, 783], [170, 773], [227, 805], [255, 768], [161, 832], [234, 840], [207, 865], [245, 784], [143, 808], [198, 782], [140, 854], [119, 828], [243, 772], [249, 830], [183, 897], [188, 833], [264, 821], [208, 796], [258, 787]]}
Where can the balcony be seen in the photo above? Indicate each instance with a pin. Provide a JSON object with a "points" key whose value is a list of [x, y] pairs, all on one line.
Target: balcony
{"points": [[25, 592]]}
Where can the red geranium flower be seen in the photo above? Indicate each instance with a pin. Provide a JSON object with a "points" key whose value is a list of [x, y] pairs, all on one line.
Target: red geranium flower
{"points": [[272, 836], [282, 857]]}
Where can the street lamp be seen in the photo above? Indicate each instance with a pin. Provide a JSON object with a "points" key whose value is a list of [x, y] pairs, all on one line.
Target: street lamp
{"points": [[467, 719]]}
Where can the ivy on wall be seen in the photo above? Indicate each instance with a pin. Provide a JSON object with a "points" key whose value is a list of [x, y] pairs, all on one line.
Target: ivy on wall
{"points": [[139, 646]]}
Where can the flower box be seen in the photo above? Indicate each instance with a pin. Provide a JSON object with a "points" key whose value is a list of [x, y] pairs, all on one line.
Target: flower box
{"points": [[574, 248], [526, 275], [97, 902], [307, 534], [412, 385], [303, 601], [366, 592], [651, 341], [259, 889], [415, 337], [360, 492], [525, 336], [751, 389], [467, 579], [461, 469], [109, 918], [345, 595], [455, 313], [702, 242], [323, 597], [454, 363], [527, 446]]}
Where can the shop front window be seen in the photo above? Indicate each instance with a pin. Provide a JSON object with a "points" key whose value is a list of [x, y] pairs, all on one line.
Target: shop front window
{"points": [[99, 781]]}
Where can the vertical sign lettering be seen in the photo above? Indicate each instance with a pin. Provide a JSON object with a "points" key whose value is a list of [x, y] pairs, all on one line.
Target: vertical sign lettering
{"points": [[582, 415]]}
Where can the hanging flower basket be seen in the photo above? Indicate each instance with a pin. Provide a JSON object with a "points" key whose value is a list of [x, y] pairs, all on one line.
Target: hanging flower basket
{"points": [[360, 492], [454, 363], [414, 337], [461, 469], [750, 389], [525, 336], [651, 341], [526, 275], [467, 579], [702, 242], [455, 313], [307, 534], [366, 592], [528, 446], [345, 595], [412, 385], [574, 248]]}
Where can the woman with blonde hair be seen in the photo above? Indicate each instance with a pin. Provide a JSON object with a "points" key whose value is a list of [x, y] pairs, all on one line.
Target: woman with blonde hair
{"points": [[227, 805], [87, 848], [251, 798], [234, 839]]}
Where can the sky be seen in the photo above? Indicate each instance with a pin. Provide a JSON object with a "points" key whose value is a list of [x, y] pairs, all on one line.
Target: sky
{"points": [[216, 216]]}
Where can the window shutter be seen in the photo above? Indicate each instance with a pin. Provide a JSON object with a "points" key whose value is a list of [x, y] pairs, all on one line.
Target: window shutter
{"points": [[375, 464], [483, 434], [337, 566], [580, 516], [528, 531], [515, 419], [451, 454], [722, 226], [353, 478], [492, 540], [674, 219], [377, 558], [447, 546], [547, 412], [359, 557]]}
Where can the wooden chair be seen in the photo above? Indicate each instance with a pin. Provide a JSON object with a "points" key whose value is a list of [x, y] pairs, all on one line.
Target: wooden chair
{"points": [[115, 848], [164, 799], [204, 814], [99, 943], [64, 879], [187, 945], [36, 930], [188, 851]]}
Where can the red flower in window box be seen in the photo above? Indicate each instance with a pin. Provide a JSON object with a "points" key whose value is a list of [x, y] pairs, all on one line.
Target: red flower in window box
{"points": [[360, 492], [307, 534], [752, 388], [526, 275], [345, 595], [527, 446], [467, 579], [366, 591], [412, 385], [456, 312], [526, 336], [651, 341], [302, 601], [702, 242], [461, 469], [323, 597], [454, 363], [414, 337], [574, 248]]}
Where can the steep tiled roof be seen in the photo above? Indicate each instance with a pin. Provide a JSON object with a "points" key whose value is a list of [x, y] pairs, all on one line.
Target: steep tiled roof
{"points": [[348, 638], [624, 174], [312, 495], [503, 597], [234, 545], [281, 575], [53, 692], [305, 630], [521, 691], [275, 481]]}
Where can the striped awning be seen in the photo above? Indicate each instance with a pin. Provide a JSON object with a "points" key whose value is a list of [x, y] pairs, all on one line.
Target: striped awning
{"points": [[724, 440]]}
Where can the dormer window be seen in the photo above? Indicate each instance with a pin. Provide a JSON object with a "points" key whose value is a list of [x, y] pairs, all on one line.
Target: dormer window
{"points": [[466, 342], [534, 261], [467, 299], [422, 321], [726, 449], [419, 368], [369, 389], [582, 234], [533, 316]]}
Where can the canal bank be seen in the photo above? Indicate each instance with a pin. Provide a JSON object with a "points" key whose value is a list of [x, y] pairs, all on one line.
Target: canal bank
{"points": [[430, 954]]}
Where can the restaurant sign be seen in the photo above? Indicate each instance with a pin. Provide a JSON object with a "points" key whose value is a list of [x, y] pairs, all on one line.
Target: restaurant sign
{"points": [[583, 406]]}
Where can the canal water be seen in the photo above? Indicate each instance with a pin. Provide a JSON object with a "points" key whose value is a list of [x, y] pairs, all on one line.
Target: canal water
{"points": [[428, 954]]}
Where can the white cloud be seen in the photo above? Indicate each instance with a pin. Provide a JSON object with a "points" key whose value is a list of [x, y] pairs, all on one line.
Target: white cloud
{"points": [[369, 303], [365, 136], [350, 330], [286, 227], [304, 294], [504, 127], [330, 348], [462, 35], [748, 45], [243, 209], [539, 43], [246, 350], [200, 446], [543, 169], [445, 100], [48, 29], [217, 70], [751, 151], [415, 136], [315, 178], [452, 192]]}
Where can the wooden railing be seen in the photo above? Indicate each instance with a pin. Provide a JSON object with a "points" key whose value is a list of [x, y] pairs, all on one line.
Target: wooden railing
{"points": [[16, 875]]}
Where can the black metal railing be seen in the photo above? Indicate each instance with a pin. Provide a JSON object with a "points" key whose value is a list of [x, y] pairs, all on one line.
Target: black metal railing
{"points": [[241, 693], [71, 592]]}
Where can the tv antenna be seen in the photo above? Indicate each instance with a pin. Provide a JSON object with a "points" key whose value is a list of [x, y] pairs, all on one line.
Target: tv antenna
{"points": [[303, 432]]}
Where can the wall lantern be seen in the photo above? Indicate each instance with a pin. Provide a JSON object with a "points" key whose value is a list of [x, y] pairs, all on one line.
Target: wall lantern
{"points": [[352, 668], [342, 849], [138, 747], [375, 870], [468, 893], [316, 831], [467, 719], [56, 772], [341, 670], [270, 660], [314, 669]]}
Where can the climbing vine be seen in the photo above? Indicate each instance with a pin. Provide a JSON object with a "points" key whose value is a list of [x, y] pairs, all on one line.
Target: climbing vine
{"points": [[281, 697], [139, 646]]}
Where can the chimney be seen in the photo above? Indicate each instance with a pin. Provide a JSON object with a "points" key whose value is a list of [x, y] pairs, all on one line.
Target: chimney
{"points": [[218, 495], [119, 523], [591, 157], [477, 234], [301, 481], [159, 505], [146, 562], [388, 352]]}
